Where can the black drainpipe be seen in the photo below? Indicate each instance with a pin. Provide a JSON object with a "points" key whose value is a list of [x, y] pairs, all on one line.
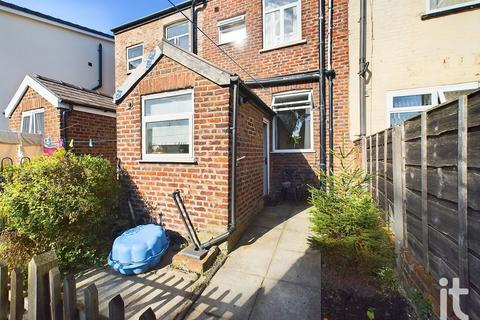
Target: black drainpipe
{"points": [[194, 28], [63, 127], [362, 66], [233, 168], [100, 71], [330, 74], [321, 62]]}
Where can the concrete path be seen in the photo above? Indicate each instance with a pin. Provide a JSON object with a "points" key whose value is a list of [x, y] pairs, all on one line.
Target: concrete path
{"points": [[272, 274]]}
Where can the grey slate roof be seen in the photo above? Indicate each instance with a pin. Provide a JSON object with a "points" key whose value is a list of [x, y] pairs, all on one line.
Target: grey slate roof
{"points": [[76, 95]]}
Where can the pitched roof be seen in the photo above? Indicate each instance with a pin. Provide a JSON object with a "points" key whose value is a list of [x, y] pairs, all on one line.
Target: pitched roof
{"points": [[60, 93], [53, 19], [186, 58]]}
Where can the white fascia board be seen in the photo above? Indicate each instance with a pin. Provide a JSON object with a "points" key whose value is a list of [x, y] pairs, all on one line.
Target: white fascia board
{"points": [[110, 114], [137, 73], [53, 23], [28, 81]]}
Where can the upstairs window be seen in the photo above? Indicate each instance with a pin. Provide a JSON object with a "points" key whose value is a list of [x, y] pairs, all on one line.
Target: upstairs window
{"points": [[179, 34], [134, 56], [167, 126], [281, 22], [232, 30], [33, 121], [293, 127], [441, 5]]}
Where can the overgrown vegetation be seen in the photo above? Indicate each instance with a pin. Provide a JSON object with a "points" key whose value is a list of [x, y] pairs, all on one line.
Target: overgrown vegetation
{"points": [[66, 203], [347, 226]]}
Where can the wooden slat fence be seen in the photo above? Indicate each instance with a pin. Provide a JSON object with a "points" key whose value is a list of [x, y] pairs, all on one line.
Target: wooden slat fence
{"points": [[50, 297], [426, 176]]}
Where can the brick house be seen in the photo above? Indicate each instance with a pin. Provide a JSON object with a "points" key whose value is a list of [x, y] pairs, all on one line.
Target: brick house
{"points": [[62, 111], [273, 48]]}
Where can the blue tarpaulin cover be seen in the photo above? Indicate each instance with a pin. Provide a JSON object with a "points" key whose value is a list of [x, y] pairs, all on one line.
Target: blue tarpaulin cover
{"points": [[138, 249]]}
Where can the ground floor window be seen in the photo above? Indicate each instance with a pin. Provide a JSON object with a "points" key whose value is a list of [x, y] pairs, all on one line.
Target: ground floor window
{"points": [[404, 104], [167, 123], [33, 121], [293, 128]]}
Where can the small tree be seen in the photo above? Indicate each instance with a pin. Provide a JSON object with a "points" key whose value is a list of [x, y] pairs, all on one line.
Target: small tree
{"points": [[63, 202], [346, 223]]}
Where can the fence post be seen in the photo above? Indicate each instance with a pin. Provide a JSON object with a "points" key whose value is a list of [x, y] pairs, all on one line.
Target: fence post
{"points": [[398, 204], [69, 298], [38, 288], [376, 168], [16, 299], [404, 187], [371, 162], [3, 292], [385, 192], [91, 302], [424, 169], [463, 197], [55, 294], [116, 308]]}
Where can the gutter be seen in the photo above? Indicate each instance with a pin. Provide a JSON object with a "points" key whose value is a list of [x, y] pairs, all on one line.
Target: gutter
{"points": [[302, 77]]}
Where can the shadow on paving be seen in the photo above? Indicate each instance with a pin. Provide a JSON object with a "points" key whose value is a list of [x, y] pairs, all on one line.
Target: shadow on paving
{"points": [[272, 273], [163, 289]]}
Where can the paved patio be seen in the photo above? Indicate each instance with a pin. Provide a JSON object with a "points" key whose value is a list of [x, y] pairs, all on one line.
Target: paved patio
{"points": [[272, 274]]}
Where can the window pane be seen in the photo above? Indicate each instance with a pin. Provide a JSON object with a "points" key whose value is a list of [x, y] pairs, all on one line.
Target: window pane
{"points": [[272, 4], [290, 20], [169, 105], [177, 30], [26, 124], [396, 118], [294, 99], [437, 4], [272, 28], [167, 137], [233, 32], [412, 101], [39, 122], [183, 42], [134, 63], [293, 129], [135, 52]]}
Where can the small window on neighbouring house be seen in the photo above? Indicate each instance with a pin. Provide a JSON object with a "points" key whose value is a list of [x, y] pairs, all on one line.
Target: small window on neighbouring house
{"points": [[168, 126], [33, 121], [179, 34], [281, 22], [232, 30], [134, 56], [293, 122], [440, 5]]}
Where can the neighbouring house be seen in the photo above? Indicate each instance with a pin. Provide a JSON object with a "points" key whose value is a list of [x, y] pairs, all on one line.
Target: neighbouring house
{"points": [[419, 54], [174, 124], [64, 112], [35, 43]]}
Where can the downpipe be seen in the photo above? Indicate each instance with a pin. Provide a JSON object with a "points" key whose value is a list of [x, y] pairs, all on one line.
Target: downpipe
{"points": [[322, 86]]}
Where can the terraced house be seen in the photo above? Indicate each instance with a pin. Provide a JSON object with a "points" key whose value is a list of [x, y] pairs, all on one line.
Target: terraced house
{"points": [[220, 99]]}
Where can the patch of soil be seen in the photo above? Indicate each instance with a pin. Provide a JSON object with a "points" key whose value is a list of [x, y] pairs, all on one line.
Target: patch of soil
{"points": [[345, 296]]}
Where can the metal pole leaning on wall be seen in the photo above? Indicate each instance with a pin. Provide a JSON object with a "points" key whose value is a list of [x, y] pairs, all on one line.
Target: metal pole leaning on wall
{"points": [[424, 170], [462, 181]]}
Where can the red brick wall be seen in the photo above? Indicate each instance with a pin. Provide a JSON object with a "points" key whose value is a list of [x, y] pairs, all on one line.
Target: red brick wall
{"points": [[83, 126], [31, 100], [205, 183]]}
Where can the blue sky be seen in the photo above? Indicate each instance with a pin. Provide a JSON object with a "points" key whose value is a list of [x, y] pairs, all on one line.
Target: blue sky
{"points": [[101, 15]]}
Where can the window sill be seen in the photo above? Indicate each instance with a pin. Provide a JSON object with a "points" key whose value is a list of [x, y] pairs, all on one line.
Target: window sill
{"points": [[294, 151], [167, 161], [284, 45], [446, 12]]}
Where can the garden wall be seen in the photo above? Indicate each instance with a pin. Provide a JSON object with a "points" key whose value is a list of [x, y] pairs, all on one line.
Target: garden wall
{"points": [[426, 177]]}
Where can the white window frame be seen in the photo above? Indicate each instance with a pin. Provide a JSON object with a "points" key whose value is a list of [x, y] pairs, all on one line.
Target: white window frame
{"points": [[136, 58], [282, 24], [292, 93], [438, 96], [175, 39], [460, 5], [222, 23], [174, 116], [31, 125]]}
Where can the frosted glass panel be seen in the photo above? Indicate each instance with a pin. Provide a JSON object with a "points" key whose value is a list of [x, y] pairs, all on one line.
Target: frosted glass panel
{"points": [[169, 105]]}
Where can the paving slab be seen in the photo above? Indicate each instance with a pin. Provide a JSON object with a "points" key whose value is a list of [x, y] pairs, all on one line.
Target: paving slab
{"points": [[272, 274]]}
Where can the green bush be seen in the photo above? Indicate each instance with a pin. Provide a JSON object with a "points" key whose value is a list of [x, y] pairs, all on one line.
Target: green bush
{"points": [[346, 223], [64, 203]]}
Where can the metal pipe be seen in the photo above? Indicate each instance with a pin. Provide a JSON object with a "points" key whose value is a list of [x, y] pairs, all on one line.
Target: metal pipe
{"points": [[321, 83], [362, 67], [63, 128], [233, 169], [331, 75], [194, 28], [100, 67], [186, 219]]}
